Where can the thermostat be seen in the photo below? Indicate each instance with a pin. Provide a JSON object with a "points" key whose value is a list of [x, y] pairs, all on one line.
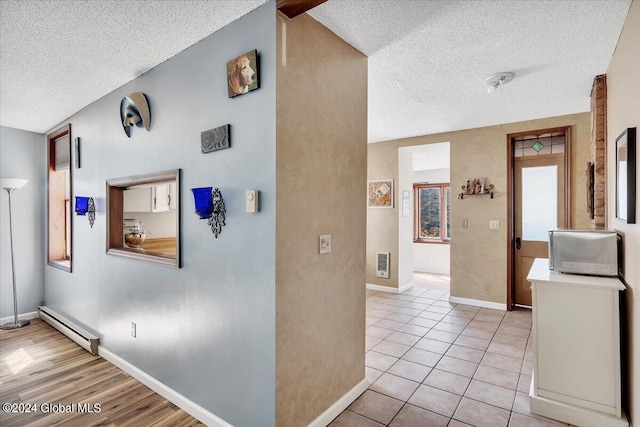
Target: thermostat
{"points": [[252, 198]]}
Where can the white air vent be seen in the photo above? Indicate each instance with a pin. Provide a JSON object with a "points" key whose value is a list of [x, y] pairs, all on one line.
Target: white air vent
{"points": [[382, 269]]}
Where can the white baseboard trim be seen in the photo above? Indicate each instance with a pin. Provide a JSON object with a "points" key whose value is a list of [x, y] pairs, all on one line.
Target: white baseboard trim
{"points": [[23, 316], [163, 390], [341, 404], [389, 288], [478, 303]]}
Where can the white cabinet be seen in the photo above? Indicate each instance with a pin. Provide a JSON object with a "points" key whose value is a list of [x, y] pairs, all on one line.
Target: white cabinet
{"points": [[160, 198], [576, 329], [137, 200]]}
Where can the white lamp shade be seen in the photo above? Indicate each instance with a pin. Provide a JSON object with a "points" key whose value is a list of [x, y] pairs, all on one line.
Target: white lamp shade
{"points": [[12, 184]]}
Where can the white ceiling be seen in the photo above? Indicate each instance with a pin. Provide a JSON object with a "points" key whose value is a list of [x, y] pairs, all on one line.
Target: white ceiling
{"points": [[427, 59]]}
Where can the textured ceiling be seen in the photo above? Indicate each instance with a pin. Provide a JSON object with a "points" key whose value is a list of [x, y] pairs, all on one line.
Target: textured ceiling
{"points": [[427, 59]]}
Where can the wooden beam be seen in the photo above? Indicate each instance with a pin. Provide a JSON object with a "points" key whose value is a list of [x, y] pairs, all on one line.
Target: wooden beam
{"points": [[293, 8]]}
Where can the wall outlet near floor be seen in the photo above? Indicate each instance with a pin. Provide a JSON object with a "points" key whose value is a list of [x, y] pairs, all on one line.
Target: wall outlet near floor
{"points": [[494, 224], [325, 243], [464, 223], [133, 329]]}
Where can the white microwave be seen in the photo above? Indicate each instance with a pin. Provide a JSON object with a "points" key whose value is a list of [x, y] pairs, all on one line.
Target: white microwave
{"points": [[590, 252]]}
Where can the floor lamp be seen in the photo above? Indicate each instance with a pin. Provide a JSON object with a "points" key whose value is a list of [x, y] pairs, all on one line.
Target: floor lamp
{"points": [[12, 185]]}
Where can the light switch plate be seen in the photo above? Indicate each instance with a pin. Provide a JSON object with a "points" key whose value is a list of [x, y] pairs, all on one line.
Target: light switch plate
{"points": [[252, 197], [494, 224], [325, 243], [464, 223], [133, 329]]}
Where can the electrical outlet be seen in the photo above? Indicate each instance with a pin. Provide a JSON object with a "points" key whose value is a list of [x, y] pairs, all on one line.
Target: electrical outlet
{"points": [[494, 224], [325, 243], [464, 223], [133, 329]]}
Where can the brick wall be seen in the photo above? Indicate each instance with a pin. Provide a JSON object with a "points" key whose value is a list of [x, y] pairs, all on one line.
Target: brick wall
{"points": [[598, 148]]}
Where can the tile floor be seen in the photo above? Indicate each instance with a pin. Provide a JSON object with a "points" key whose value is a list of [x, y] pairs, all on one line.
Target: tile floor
{"points": [[434, 363]]}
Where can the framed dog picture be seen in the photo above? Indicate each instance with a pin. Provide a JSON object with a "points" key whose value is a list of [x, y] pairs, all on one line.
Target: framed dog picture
{"points": [[242, 74], [380, 193]]}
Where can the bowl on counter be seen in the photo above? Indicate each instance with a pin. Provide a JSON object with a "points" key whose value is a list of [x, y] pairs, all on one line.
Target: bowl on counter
{"points": [[134, 239]]}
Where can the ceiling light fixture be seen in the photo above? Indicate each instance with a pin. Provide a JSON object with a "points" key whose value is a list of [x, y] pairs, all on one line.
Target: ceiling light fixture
{"points": [[495, 81]]}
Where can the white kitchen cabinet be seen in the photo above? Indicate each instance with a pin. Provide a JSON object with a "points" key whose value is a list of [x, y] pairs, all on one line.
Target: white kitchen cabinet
{"points": [[160, 198], [576, 330], [137, 200], [173, 199]]}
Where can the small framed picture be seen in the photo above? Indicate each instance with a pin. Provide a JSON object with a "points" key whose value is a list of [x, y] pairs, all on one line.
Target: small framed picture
{"points": [[380, 193], [242, 74], [626, 176]]}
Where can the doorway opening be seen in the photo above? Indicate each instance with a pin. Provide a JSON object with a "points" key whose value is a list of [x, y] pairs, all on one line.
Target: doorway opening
{"points": [[538, 201], [428, 213]]}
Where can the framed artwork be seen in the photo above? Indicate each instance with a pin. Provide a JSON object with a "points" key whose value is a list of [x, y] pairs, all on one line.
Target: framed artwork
{"points": [[380, 193], [242, 74], [626, 176]]}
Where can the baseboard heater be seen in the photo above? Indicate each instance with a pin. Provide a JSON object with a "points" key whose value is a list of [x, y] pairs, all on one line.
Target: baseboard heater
{"points": [[77, 334]]}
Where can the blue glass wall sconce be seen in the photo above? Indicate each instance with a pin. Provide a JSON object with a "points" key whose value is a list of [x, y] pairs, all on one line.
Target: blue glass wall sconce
{"points": [[84, 206], [209, 205]]}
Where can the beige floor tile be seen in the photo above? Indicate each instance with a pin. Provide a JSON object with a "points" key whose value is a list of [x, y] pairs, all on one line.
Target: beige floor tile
{"points": [[379, 361], [496, 376], [447, 381], [527, 367], [505, 338], [480, 414], [491, 394], [391, 348], [471, 331], [458, 312], [436, 309], [372, 374], [521, 406], [414, 330], [412, 416], [433, 346], [465, 307], [425, 323], [422, 357], [408, 310], [424, 300], [441, 335], [435, 400], [456, 423], [519, 420], [465, 353], [378, 313], [416, 305], [403, 338], [450, 318], [522, 332], [394, 386], [472, 342], [370, 342], [457, 366], [502, 362], [449, 327], [351, 419], [481, 324], [376, 332], [431, 315], [370, 320], [505, 349], [524, 383], [445, 304], [404, 318], [389, 324], [410, 370], [376, 406]]}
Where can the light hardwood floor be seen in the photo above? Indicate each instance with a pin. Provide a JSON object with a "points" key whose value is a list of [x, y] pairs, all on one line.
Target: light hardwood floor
{"points": [[40, 366]]}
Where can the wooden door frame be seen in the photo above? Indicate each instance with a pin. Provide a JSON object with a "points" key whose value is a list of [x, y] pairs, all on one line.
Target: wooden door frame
{"points": [[511, 197]]}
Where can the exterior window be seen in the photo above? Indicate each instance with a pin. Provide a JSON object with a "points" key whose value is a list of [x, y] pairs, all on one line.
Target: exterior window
{"points": [[432, 213]]}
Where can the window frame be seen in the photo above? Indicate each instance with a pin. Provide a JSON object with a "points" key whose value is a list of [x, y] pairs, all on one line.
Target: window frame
{"points": [[65, 262], [443, 212]]}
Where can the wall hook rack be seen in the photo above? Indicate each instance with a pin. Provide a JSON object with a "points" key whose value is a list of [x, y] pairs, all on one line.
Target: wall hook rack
{"points": [[476, 187]]}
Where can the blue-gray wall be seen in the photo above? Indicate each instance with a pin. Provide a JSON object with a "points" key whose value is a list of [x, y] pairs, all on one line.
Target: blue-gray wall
{"points": [[206, 330], [22, 155]]}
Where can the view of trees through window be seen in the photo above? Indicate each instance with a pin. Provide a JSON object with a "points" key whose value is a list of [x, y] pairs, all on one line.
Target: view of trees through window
{"points": [[433, 212]]}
